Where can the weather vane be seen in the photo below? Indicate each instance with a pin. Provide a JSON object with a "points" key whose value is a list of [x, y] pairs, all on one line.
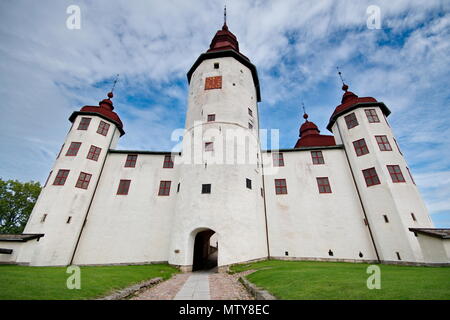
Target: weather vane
{"points": [[340, 75], [114, 83], [225, 14]]}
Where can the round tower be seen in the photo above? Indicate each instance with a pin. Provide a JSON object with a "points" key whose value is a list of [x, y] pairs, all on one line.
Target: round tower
{"points": [[220, 204], [61, 209], [391, 201]]}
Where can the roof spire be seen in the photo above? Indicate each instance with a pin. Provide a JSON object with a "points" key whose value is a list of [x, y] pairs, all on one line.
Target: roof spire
{"points": [[110, 94], [225, 14], [305, 115], [344, 86]]}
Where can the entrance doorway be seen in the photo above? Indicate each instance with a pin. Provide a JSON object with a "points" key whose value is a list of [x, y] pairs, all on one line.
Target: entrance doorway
{"points": [[205, 251]]}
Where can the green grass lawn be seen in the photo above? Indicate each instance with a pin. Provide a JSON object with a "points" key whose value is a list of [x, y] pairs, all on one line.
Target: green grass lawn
{"points": [[45, 283], [339, 280]]}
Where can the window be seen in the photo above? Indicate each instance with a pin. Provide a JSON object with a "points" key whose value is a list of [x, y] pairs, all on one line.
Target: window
{"points": [[385, 218], [371, 177], [250, 112], [103, 128], [83, 180], [43, 218], [317, 157], [396, 173], [69, 219], [164, 188], [211, 117], [372, 115], [48, 178], [131, 161], [213, 83], [280, 186], [278, 159], [73, 149], [61, 177], [178, 187], [360, 147], [330, 253], [324, 185], [398, 148], [383, 143], [60, 150], [124, 186], [398, 255], [351, 120], [216, 65], [94, 153], [209, 146], [413, 216], [248, 183], [250, 126], [168, 162], [410, 175], [84, 123], [206, 188]]}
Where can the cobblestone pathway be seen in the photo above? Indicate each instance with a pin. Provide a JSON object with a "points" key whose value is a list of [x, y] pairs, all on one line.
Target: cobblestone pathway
{"points": [[198, 286]]}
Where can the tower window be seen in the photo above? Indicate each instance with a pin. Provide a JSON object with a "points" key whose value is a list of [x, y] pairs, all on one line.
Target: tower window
{"points": [[206, 188], [280, 186], [351, 120], [131, 161], [413, 216], [124, 186], [168, 161], [385, 218], [250, 126], [396, 173], [410, 175], [164, 188], [360, 147], [61, 177], [248, 183], [73, 149], [398, 255], [371, 177], [94, 153], [178, 187], [383, 143], [372, 115], [317, 157], [43, 218], [211, 117], [324, 185], [83, 180], [84, 123], [60, 150], [213, 83], [216, 65], [250, 112], [48, 178], [103, 128], [69, 219], [278, 159], [209, 146]]}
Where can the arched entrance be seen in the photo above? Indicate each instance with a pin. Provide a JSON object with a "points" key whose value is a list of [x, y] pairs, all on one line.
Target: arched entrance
{"points": [[205, 251]]}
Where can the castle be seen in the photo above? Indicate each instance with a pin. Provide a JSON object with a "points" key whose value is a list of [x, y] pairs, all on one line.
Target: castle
{"points": [[222, 200]]}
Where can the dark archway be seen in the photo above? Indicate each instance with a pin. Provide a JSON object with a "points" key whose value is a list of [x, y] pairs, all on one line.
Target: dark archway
{"points": [[205, 253]]}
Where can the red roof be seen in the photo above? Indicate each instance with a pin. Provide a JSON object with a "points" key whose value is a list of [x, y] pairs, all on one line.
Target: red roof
{"points": [[224, 40], [310, 136]]}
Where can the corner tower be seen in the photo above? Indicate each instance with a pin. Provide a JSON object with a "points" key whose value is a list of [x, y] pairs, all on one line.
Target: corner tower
{"points": [[220, 173], [62, 207], [391, 201]]}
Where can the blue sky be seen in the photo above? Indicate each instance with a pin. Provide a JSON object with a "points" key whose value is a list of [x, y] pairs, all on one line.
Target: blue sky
{"points": [[47, 71]]}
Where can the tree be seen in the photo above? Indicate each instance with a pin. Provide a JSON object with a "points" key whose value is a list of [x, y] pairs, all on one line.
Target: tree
{"points": [[17, 200]]}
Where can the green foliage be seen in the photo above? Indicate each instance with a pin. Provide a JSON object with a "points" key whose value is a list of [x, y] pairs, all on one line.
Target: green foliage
{"points": [[298, 280], [49, 283], [17, 200]]}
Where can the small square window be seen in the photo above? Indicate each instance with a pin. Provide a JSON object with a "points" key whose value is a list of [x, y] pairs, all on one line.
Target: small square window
{"points": [[211, 117], [396, 173], [278, 159], [84, 123], [206, 188], [317, 157], [83, 180], [250, 126], [383, 143], [250, 112], [209, 146], [94, 153], [360, 147], [73, 149], [124, 187], [131, 161], [168, 162], [280, 186], [103, 128], [324, 185], [216, 65], [61, 177], [351, 120], [371, 177], [372, 115], [164, 188], [248, 183]]}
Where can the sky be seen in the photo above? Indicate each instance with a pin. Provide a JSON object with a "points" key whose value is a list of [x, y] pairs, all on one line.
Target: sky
{"points": [[47, 71]]}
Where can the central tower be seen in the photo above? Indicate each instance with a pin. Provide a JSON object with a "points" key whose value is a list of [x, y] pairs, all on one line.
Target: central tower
{"points": [[220, 187]]}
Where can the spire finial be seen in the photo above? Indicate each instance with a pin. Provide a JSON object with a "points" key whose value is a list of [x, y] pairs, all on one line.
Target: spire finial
{"points": [[225, 15], [305, 115], [344, 86]]}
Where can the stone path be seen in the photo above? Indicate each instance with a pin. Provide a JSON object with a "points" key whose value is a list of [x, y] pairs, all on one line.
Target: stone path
{"points": [[200, 285]]}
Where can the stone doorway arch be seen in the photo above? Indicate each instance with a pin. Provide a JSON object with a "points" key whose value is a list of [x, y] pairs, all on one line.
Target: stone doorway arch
{"points": [[205, 250]]}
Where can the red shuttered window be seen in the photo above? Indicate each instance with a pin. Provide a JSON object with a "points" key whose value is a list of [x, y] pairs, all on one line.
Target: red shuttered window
{"points": [[94, 153], [103, 128], [324, 185], [372, 115], [131, 161], [168, 162], [61, 177], [371, 177], [83, 180], [280, 186], [351, 120], [396, 173], [164, 188], [84, 123], [73, 149], [383, 143], [213, 83], [360, 147], [317, 157], [278, 159], [124, 186]]}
